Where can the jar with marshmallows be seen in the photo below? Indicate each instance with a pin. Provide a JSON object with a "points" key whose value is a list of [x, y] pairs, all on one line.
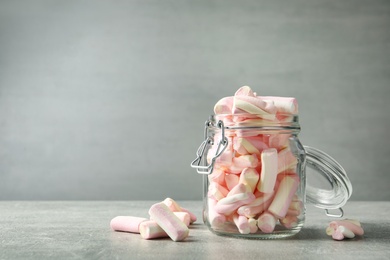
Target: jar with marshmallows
{"points": [[254, 169]]}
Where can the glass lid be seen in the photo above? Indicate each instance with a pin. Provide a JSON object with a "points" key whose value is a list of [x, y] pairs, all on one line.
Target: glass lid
{"points": [[328, 184]]}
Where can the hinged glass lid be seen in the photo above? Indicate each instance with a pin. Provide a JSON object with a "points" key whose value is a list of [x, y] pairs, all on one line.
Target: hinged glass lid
{"points": [[341, 188]]}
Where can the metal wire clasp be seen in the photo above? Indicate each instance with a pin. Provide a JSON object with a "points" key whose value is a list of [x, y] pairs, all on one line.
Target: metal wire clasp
{"points": [[340, 215], [209, 140]]}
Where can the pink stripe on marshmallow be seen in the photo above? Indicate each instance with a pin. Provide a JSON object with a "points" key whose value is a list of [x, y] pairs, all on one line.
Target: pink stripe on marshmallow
{"points": [[286, 160], [168, 221], [284, 195], [126, 223], [269, 170]]}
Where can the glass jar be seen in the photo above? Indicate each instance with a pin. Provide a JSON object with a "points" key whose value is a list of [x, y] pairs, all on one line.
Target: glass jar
{"points": [[254, 173]]}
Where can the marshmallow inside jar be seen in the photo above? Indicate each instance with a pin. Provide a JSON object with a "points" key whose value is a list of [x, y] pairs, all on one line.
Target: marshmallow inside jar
{"points": [[253, 166]]}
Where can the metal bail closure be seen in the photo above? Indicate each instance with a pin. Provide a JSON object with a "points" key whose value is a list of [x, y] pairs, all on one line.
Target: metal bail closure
{"points": [[200, 163], [341, 188]]}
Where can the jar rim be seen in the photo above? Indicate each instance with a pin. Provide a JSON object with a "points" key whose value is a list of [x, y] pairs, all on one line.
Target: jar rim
{"points": [[246, 120]]}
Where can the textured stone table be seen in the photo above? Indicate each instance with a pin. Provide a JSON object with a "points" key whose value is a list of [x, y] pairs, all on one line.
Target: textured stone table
{"points": [[80, 230]]}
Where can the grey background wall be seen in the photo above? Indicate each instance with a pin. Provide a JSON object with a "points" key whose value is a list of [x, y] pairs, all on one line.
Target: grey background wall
{"points": [[107, 99]]}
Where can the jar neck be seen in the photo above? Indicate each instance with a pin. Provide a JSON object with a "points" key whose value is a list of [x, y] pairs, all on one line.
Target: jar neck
{"points": [[281, 122]]}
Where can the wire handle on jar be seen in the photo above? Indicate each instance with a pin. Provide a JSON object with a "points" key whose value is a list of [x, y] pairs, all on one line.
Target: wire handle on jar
{"points": [[208, 140]]}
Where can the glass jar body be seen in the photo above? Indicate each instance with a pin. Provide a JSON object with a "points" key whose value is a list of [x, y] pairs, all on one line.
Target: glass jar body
{"points": [[256, 188]]}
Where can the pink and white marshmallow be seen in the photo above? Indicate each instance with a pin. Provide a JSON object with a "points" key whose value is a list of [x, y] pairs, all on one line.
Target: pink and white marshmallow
{"points": [[168, 221], [269, 170], [127, 223], [284, 195], [347, 228]]}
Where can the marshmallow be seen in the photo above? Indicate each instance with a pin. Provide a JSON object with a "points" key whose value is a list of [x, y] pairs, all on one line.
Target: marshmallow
{"points": [[286, 160], [279, 141], [295, 208], [249, 145], [242, 224], [231, 180], [184, 217], [283, 104], [284, 195], [238, 196], [250, 177], [168, 221], [345, 232], [193, 217], [150, 229], [214, 218], [254, 106], [217, 191], [352, 225], [175, 207], [245, 91], [257, 206], [266, 222], [289, 221], [224, 106], [253, 225], [127, 223], [242, 162], [269, 168], [217, 176]]}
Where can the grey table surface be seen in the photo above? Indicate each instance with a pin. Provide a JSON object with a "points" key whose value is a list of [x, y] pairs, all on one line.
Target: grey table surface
{"points": [[80, 230]]}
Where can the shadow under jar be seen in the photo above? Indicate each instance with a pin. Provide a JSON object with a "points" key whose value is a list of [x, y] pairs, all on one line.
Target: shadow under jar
{"points": [[254, 173]]}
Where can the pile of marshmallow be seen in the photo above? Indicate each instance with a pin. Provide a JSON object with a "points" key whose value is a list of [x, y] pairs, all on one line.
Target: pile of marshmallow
{"points": [[347, 228], [254, 183], [167, 219]]}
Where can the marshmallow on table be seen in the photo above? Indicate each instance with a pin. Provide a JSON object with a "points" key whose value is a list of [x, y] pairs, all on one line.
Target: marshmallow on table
{"points": [[284, 195], [150, 230], [127, 223], [168, 221], [342, 232], [347, 228], [184, 217], [175, 207], [269, 170]]}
